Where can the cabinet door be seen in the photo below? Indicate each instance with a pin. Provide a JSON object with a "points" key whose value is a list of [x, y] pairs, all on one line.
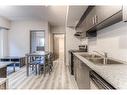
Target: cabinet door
{"points": [[90, 19], [125, 13], [82, 27], [75, 68], [93, 85], [77, 72], [104, 12], [83, 78], [88, 22]]}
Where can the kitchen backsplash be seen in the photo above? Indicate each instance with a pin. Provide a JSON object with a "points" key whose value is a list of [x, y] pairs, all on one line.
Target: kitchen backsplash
{"points": [[84, 41], [112, 40]]}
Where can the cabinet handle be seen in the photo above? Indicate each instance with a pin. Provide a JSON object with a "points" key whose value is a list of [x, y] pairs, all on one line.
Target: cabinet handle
{"points": [[93, 20], [96, 19]]}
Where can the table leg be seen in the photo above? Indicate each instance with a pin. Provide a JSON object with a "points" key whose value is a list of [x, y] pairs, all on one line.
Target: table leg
{"points": [[27, 67], [27, 70], [13, 67], [36, 69], [44, 70]]}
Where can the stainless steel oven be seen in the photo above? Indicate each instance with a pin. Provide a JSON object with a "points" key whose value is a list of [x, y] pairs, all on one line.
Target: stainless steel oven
{"points": [[97, 82]]}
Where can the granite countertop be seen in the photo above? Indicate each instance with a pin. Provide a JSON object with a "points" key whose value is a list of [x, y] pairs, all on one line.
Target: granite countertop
{"points": [[3, 80], [115, 74], [4, 64]]}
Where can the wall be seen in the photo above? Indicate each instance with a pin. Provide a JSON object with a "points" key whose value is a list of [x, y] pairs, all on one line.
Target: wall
{"points": [[51, 42], [19, 36], [5, 23], [50, 39], [3, 42], [71, 41], [61, 44], [58, 29], [112, 40]]}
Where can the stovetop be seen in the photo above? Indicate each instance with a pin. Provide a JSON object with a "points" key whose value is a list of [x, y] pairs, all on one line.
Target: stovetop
{"points": [[74, 50]]}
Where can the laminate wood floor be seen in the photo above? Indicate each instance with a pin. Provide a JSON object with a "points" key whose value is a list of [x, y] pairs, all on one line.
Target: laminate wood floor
{"points": [[60, 78]]}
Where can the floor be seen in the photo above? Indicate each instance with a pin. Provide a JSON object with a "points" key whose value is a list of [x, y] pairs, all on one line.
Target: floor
{"points": [[60, 78], [10, 69]]}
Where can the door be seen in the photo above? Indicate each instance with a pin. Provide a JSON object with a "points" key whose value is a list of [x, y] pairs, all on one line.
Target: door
{"points": [[88, 21], [104, 12], [76, 68], [58, 46], [83, 78], [37, 40]]}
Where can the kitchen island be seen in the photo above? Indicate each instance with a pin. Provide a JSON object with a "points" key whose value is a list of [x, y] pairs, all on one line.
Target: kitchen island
{"points": [[115, 74]]}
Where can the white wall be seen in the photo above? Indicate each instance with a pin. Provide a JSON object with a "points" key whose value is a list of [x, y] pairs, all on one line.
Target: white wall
{"points": [[71, 41], [19, 36], [51, 42], [113, 40], [58, 29], [5, 23], [61, 45], [3, 42], [50, 39]]}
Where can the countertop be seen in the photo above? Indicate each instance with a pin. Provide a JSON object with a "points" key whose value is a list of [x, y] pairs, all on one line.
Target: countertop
{"points": [[115, 74]]}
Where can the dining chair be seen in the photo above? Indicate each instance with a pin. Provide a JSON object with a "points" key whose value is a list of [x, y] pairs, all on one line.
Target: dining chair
{"points": [[46, 64], [31, 64], [40, 64]]}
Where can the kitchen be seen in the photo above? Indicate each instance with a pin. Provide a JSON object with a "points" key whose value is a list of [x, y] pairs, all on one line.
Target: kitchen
{"points": [[106, 49], [94, 47]]}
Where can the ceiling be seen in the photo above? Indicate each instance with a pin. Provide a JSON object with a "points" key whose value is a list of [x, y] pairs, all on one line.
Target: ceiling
{"points": [[55, 15], [74, 14]]}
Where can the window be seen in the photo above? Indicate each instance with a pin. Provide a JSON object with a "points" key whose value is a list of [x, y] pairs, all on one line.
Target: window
{"points": [[37, 40]]}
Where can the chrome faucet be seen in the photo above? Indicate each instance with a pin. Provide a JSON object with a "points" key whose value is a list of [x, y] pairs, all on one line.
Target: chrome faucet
{"points": [[105, 55]]}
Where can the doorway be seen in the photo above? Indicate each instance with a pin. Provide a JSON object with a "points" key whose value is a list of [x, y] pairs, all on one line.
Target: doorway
{"points": [[59, 46]]}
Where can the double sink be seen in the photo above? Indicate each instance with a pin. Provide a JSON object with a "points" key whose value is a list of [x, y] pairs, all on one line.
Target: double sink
{"points": [[96, 59]]}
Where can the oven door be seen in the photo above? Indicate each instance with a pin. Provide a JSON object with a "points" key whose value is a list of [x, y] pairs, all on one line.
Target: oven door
{"points": [[97, 82]]}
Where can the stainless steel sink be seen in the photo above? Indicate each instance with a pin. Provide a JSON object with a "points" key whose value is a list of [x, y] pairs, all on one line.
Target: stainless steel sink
{"points": [[96, 59], [90, 56], [101, 61]]}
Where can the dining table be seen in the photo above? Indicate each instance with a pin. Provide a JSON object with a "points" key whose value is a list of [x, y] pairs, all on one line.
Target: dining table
{"points": [[35, 55]]}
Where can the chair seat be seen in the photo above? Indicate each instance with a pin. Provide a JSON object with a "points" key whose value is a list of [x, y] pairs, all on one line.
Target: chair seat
{"points": [[34, 62], [41, 62], [40, 59]]}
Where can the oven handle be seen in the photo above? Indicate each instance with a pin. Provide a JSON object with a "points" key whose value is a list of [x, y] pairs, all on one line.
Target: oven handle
{"points": [[99, 81]]}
